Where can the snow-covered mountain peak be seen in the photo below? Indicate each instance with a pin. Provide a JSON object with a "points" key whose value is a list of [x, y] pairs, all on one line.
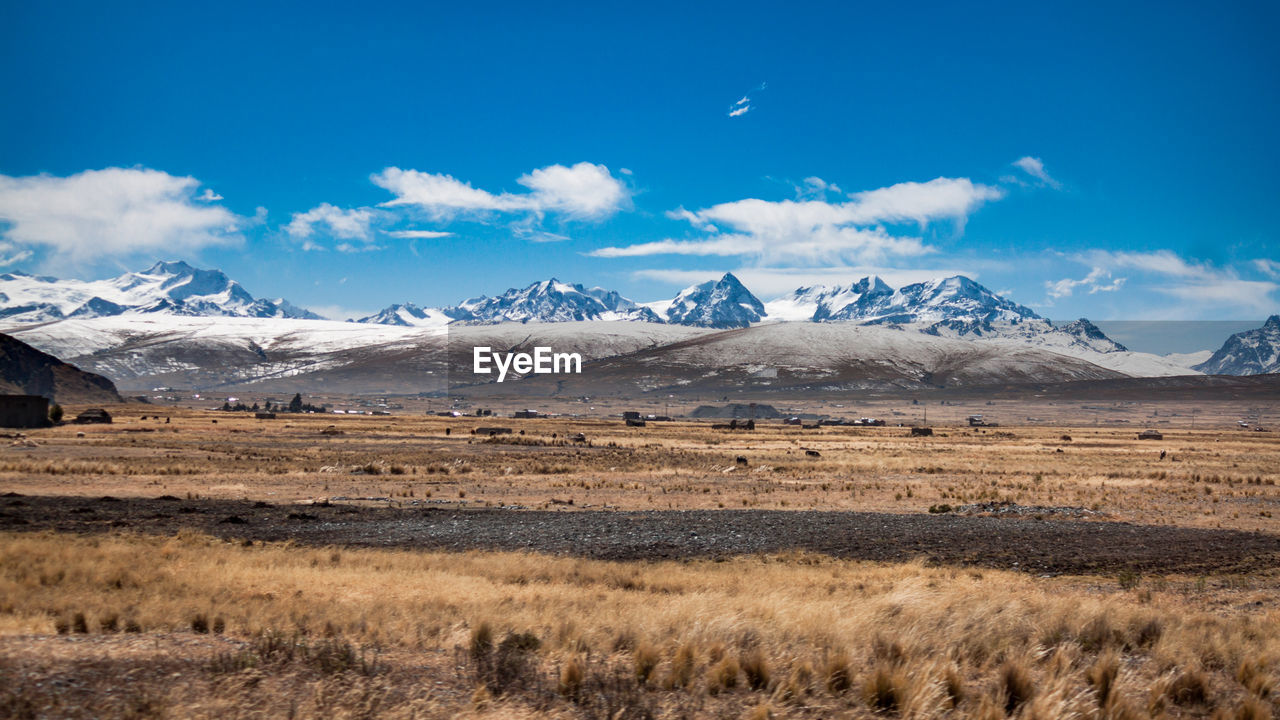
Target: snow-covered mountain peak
{"points": [[723, 303], [544, 301], [173, 288], [1252, 352]]}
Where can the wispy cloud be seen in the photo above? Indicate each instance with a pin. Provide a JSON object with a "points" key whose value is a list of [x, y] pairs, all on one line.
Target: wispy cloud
{"points": [[110, 213], [743, 104], [1270, 268], [797, 232], [1098, 280], [1034, 167], [418, 234], [1198, 284]]}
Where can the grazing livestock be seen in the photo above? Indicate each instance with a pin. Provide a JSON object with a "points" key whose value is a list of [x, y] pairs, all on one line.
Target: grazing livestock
{"points": [[812, 453]]}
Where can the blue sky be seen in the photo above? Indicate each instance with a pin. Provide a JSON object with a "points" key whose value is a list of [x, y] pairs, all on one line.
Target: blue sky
{"points": [[1109, 160]]}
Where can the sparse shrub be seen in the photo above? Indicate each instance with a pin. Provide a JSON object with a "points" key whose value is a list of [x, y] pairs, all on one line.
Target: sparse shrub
{"points": [[79, 624], [838, 675], [109, 622], [682, 664], [646, 659], [885, 689], [1128, 579], [953, 684], [55, 413], [1146, 632], [200, 623], [723, 675], [571, 678], [1102, 676], [940, 508], [797, 683], [1015, 681], [1098, 634], [481, 643], [756, 668], [1190, 687], [1250, 708], [1254, 677]]}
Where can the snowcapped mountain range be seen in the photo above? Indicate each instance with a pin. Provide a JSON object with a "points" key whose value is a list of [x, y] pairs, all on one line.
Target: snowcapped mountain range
{"points": [[173, 324], [549, 301], [171, 288], [1252, 352]]}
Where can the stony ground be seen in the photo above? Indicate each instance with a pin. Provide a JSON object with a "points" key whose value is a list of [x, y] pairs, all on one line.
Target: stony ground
{"points": [[1043, 543]]}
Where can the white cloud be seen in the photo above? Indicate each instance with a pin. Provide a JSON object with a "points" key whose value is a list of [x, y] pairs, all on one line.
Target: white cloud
{"points": [[347, 247], [583, 191], [1200, 284], [743, 105], [769, 283], [815, 188], [418, 234], [1098, 280], [1034, 167], [1270, 268], [351, 224], [113, 212], [10, 255], [210, 196], [817, 231]]}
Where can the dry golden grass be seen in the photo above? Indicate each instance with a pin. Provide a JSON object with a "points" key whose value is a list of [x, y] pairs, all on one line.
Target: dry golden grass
{"points": [[798, 635], [1210, 477]]}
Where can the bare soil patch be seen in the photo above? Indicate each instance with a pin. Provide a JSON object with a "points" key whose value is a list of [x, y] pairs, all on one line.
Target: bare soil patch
{"points": [[1030, 544]]}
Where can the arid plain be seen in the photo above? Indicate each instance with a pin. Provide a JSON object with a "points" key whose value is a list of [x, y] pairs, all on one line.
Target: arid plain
{"points": [[190, 563]]}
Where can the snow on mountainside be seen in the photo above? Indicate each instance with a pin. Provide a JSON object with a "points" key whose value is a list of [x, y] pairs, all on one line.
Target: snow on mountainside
{"points": [[275, 353], [1252, 352], [723, 303], [820, 303], [545, 301], [801, 356], [171, 288], [410, 315]]}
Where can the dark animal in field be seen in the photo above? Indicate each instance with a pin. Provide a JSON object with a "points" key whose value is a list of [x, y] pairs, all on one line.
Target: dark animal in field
{"points": [[735, 424], [813, 453], [921, 432], [448, 431], [1066, 438], [1163, 453], [742, 460], [579, 438]]}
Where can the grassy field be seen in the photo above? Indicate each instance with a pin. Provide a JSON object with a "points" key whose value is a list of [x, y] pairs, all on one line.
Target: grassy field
{"points": [[1208, 477], [327, 632], [130, 625]]}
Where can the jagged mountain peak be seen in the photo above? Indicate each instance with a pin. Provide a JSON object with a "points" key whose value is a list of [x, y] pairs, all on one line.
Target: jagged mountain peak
{"points": [[1252, 352], [169, 287], [723, 303]]}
